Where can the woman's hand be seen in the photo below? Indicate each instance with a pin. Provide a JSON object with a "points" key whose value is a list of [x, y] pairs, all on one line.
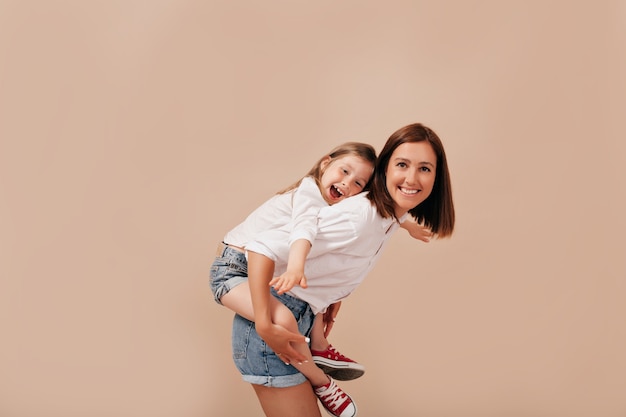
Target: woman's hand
{"points": [[417, 231], [280, 340], [330, 317]]}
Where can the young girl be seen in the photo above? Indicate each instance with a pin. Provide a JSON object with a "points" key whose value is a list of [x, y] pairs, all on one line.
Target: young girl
{"points": [[344, 172], [411, 179]]}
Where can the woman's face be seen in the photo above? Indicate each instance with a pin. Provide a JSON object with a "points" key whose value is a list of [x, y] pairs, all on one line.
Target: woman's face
{"points": [[411, 175]]}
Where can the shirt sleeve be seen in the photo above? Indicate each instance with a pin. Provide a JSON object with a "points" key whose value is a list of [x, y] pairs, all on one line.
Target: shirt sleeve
{"points": [[342, 228], [307, 201], [271, 243]]}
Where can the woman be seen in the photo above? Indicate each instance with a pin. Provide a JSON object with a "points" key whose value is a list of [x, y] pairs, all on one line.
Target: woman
{"points": [[343, 172], [411, 178]]}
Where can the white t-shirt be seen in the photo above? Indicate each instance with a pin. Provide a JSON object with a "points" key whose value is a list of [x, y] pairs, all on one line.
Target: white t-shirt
{"points": [[351, 236], [297, 208]]}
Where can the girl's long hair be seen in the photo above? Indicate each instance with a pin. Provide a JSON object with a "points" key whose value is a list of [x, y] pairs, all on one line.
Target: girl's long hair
{"points": [[362, 150]]}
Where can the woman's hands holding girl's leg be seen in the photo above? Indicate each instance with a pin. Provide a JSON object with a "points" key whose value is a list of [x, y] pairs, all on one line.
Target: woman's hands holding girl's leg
{"points": [[282, 341], [269, 313]]}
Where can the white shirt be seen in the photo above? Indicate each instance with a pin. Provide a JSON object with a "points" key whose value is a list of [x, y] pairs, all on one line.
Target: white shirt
{"points": [[297, 208], [351, 236]]}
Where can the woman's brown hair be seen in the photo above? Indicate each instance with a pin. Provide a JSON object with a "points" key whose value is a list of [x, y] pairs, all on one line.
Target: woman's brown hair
{"points": [[437, 211]]}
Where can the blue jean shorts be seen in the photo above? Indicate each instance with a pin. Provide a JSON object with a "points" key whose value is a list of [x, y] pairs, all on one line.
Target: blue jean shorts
{"points": [[257, 362], [229, 269]]}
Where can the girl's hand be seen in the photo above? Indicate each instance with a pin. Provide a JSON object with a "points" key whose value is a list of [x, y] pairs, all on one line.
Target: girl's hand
{"points": [[287, 281], [280, 340]]}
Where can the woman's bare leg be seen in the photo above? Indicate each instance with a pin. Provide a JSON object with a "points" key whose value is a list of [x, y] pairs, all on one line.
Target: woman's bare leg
{"points": [[299, 400]]}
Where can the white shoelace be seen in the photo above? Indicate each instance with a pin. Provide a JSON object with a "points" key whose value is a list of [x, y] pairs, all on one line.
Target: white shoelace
{"points": [[335, 397]]}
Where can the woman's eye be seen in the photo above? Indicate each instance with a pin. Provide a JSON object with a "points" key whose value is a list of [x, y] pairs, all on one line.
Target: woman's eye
{"points": [[425, 169], [401, 164]]}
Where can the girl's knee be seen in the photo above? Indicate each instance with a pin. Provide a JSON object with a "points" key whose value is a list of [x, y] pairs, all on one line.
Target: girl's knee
{"points": [[286, 320]]}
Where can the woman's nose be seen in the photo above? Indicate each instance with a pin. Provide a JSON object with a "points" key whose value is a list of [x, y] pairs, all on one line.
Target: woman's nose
{"points": [[412, 178]]}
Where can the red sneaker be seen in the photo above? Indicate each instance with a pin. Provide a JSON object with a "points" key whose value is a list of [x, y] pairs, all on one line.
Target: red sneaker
{"points": [[335, 401], [336, 365]]}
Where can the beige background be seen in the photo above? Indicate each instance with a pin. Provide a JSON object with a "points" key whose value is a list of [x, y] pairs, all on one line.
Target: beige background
{"points": [[134, 134]]}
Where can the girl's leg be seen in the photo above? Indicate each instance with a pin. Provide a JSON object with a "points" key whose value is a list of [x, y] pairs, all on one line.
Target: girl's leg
{"points": [[298, 401], [318, 340], [325, 356], [281, 402], [240, 301]]}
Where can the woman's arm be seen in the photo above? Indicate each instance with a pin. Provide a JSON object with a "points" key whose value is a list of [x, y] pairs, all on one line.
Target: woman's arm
{"points": [[260, 272], [330, 317]]}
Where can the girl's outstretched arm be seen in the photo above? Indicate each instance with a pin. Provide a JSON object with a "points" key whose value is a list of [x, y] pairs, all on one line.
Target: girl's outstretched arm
{"points": [[294, 275]]}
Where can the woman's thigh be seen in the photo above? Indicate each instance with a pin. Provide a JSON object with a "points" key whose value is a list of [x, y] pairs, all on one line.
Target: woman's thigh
{"points": [[298, 400]]}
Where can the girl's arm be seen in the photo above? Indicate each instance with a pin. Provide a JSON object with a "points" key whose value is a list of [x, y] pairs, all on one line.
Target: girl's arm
{"points": [[260, 271], [306, 202], [294, 275]]}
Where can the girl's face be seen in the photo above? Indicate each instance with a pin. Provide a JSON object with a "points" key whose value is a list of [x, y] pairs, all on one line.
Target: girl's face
{"points": [[344, 177], [411, 175]]}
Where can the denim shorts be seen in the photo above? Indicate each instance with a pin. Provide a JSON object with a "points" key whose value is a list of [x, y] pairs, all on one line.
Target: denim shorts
{"points": [[257, 362], [229, 269]]}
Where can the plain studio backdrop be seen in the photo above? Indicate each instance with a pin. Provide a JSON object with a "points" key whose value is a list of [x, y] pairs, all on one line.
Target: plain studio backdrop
{"points": [[135, 134]]}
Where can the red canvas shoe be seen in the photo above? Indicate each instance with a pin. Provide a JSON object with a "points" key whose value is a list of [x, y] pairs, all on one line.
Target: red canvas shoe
{"points": [[336, 402], [336, 365]]}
